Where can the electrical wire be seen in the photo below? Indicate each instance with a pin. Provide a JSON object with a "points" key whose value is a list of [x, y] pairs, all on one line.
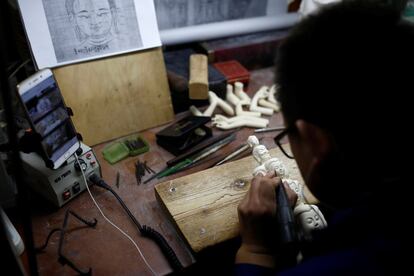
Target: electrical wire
{"points": [[109, 221], [145, 230], [18, 68], [41, 248]]}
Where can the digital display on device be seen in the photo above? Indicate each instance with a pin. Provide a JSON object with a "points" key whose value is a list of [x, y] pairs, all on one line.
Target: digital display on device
{"points": [[49, 117]]}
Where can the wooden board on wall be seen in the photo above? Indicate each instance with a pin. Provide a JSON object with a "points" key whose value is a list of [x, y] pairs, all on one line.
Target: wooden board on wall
{"points": [[203, 205], [116, 96]]}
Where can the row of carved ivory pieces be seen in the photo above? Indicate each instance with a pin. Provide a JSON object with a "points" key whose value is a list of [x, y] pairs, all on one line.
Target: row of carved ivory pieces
{"points": [[265, 97]]}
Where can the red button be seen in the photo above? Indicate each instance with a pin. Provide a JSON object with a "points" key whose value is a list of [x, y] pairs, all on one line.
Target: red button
{"points": [[88, 155], [66, 195], [92, 163]]}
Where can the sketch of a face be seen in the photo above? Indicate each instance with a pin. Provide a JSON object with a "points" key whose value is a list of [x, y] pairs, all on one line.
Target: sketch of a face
{"points": [[93, 19], [89, 29]]}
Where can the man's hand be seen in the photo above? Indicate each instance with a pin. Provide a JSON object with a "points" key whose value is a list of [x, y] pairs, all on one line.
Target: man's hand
{"points": [[257, 218]]}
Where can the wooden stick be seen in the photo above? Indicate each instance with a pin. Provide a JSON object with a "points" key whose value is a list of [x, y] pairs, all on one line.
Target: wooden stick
{"points": [[198, 83]]}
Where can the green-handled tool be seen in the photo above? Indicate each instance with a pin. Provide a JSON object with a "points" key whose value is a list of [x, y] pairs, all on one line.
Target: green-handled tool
{"points": [[238, 151], [208, 151], [192, 159], [169, 170]]}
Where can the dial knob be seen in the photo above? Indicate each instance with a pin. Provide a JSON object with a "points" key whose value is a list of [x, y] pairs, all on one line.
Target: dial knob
{"points": [[81, 165]]}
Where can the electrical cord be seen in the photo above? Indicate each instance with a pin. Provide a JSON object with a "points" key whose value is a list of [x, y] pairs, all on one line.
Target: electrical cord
{"points": [[109, 221], [41, 248], [18, 68], [62, 258], [145, 230], [100, 183]]}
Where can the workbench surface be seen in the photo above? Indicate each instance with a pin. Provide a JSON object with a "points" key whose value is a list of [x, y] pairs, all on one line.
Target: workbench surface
{"points": [[104, 249]]}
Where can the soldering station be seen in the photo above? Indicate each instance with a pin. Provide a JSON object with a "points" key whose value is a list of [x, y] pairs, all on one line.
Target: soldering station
{"points": [[63, 184]]}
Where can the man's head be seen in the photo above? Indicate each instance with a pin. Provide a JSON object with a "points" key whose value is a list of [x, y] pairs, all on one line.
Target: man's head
{"points": [[92, 18], [344, 87]]}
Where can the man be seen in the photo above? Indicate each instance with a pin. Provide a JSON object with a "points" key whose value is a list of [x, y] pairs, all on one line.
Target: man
{"points": [[344, 87]]}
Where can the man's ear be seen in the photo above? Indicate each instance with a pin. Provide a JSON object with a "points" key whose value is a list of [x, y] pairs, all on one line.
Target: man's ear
{"points": [[318, 142]]}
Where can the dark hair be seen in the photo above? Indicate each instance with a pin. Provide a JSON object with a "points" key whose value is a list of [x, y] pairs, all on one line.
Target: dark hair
{"points": [[70, 10], [348, 70], [69, 4]]}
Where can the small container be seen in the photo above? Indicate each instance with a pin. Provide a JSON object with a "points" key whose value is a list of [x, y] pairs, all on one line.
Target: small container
{"points": [[130, 146], [233, 71]]}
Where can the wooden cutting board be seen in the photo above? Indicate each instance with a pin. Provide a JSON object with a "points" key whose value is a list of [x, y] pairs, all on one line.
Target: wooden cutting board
{"points": [[203, 205], [116, 96]]}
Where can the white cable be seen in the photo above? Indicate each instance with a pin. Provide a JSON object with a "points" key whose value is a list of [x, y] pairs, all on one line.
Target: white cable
{"points": [[109, 221]]}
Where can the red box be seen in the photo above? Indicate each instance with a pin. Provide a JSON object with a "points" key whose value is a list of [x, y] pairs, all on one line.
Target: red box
{"points": [[233, 71]]}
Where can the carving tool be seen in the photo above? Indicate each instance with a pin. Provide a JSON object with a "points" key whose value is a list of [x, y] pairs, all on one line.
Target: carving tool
{"points": [[238, 151], [117, 179], [193, 159], [286, 227], [285, 217], [198, 148], [170, 170], [208, 151], [269, 129]]}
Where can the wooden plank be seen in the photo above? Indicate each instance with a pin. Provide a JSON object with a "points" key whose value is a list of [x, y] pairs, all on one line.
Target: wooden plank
{"points": [[117, 96], [203, 205]]}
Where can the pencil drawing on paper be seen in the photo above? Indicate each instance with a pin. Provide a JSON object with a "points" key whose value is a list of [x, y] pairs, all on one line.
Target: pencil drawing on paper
{"points": [[182, 13], [90, 28]]}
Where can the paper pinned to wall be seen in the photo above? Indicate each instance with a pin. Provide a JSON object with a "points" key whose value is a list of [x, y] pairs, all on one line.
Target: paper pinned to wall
{"points": [[61, 32], [183, 13]]}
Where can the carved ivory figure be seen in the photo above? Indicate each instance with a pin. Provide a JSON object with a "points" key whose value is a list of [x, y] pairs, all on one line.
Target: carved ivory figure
{"points": [[223, 122], [267, 163], [262, 93], [216, 101], [271, 101], [308, 216]]}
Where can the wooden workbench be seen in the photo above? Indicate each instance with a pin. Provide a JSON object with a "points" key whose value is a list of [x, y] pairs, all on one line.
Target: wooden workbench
{"points": [[105, 249], [203, 205]]}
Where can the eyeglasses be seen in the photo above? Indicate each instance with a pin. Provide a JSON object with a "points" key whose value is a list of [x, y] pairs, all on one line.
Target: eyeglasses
{"points": [[285, 148]]}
